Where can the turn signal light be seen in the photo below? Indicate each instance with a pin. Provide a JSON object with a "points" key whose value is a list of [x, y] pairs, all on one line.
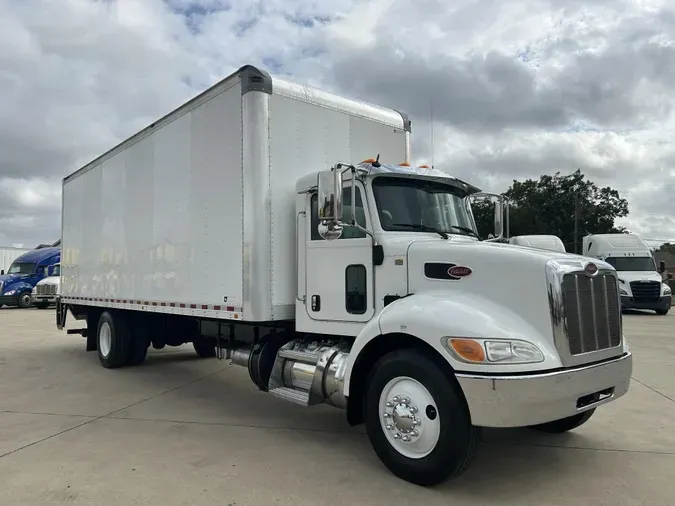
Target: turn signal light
{"points": [[369, 160], [468, 349]]}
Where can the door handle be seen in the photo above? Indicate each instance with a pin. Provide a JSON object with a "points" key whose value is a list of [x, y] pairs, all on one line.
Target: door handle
{"points": [[316, 302]]}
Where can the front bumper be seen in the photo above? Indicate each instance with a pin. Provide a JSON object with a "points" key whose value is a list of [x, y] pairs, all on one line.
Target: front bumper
{"points": [[531, 399], [660, 303], [51, 299], [9, 300]]}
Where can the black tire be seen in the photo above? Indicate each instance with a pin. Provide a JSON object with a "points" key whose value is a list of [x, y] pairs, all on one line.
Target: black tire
{"points": [[118, 349], [138, 350], [24, 301], [661, 312], [139, 340], [204, 348], [458, 438], [41, 305], [565, 424]]}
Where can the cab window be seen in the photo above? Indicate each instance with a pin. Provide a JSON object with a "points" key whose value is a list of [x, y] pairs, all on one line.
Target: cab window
{"points": [[347, 232]]}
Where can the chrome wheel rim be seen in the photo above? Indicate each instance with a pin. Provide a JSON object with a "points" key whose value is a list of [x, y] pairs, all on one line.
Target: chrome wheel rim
{"points": [[105, 339], [409, 417]]}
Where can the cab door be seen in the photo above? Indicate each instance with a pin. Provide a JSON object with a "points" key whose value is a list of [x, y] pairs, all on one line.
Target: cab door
{"points": [[339, 273]]}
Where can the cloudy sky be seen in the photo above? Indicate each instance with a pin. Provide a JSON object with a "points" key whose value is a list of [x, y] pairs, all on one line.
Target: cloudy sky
{"points": [[517, 88]]}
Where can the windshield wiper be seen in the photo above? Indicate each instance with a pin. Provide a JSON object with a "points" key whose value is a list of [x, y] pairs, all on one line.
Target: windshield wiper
{"points": [[467, 230], [423, 228]]}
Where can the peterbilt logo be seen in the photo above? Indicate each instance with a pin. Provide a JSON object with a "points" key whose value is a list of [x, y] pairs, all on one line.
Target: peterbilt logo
{"points": [[459, 271], [590, 269]]}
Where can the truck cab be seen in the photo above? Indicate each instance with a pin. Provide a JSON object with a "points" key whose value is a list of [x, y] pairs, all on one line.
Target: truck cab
{"points": [[47, 289], [392, 256], [16, 286], [640, 284]]}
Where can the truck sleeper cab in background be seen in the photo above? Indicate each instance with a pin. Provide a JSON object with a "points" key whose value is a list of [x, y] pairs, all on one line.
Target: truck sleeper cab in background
{"points": [[360, 285], [640, 284], [24, 274]]}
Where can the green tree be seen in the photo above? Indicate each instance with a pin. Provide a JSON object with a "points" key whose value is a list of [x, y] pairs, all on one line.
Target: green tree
{"points": [[548, 206], [667, 247]]}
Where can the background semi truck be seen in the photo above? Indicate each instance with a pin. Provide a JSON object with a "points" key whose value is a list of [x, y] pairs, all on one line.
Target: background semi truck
{"points": [[17, 284], [547, 242], [258, 222], [641, 286]]}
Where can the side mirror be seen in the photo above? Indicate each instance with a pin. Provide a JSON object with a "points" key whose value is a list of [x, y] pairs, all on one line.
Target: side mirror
{"points": [[498, 219], [329, 205], [2, 272], [330, 195]]}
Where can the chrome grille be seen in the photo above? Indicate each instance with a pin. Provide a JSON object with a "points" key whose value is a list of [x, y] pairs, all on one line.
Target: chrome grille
{"points": [[592, 308], [649, 291], [45, 290]]}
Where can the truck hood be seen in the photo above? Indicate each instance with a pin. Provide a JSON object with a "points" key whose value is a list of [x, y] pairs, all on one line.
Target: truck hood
{"points": [[491, 277], [8, 279], [628, 276], [50, 280]]}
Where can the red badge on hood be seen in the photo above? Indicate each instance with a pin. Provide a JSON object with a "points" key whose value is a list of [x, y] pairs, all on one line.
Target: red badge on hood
{"points": [[459, 271]]}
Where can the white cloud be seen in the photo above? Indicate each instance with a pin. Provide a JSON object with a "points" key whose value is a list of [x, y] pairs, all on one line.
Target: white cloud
{"points": [[518, 88]]}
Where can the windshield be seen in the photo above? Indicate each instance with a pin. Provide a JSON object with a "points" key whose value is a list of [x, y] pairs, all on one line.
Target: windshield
{"points": [[406, 204], [21, 268], [632, 263], [56, 271]]}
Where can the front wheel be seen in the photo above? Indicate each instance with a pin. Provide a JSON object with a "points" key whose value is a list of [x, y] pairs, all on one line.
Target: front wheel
{"points": [[565, 424], [417, 419], [24, 301], [661, 312]]}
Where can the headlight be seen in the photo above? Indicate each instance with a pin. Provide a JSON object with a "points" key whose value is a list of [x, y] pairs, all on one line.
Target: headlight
{"points": [[10, 292], [492, 351], [666, 290], [622, 291]]}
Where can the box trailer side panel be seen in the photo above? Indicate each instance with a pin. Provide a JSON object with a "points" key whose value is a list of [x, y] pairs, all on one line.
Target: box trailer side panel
{"points": [[158, 225], [8, 255], [311, 130]]}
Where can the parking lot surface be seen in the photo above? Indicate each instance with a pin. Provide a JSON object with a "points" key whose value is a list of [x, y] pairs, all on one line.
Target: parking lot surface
{"points": [[183, 430]]}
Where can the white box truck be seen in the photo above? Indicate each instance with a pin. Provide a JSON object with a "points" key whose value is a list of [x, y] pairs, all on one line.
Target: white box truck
{"points": [[640, 284], [248, 223]]}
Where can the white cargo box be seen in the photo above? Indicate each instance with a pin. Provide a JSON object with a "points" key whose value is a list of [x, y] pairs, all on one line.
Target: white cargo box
{"points": [[195, 214]]}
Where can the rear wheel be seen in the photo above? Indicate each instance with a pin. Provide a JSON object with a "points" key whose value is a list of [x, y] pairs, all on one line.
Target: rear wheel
{"points": [[565, 424], [41, 305], [24, 301], [204, 348], [417, 419], [113, 340]]}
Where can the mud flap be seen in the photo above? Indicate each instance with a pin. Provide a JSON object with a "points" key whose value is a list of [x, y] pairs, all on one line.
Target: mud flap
{"points": [[61, 313]]}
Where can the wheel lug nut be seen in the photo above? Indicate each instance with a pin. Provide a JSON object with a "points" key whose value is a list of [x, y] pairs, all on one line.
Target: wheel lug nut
{"points": [[406, 401], [397, 436], [414, 433], [386, 415], [406, 439], [389, 404], [396, 398], [413, 409], [389, 426]]}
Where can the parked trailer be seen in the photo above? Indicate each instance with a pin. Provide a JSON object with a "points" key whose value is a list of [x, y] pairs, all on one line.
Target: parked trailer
{"points": [[7, 255], [240, 223]]}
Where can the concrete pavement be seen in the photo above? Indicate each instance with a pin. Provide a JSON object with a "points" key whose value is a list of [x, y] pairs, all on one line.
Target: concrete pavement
{"points": [[182, 430]]}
